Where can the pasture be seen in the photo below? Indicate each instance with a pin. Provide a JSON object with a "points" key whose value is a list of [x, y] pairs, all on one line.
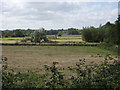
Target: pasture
{"points": [[35, 57]]}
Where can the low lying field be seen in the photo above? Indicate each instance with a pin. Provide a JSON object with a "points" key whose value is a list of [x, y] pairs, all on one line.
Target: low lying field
{"points": [[61, 39], [35, 57]]}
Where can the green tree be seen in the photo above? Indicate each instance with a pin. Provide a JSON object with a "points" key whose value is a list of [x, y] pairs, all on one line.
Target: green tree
{"points": [[38, 35], [73, 31], [111, 33], [60, 33], [91, 34], [18, 33]]}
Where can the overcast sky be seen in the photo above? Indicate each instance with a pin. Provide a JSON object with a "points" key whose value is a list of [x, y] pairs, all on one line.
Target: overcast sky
{"points": [[56, 15]]}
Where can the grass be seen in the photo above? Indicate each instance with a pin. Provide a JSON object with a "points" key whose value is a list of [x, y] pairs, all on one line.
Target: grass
{"points": [[67, 37], [13, 38], [35, 57]]}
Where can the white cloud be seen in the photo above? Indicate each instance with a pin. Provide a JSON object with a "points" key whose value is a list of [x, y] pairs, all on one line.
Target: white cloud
{"points": [[56, 15], [74, 1]]}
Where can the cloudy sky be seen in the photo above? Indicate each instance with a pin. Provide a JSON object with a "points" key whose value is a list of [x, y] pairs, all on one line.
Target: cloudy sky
{"points": [[56, 15]]}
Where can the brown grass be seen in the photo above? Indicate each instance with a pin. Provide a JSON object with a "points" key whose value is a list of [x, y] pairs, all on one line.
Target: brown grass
{"points": [[35, 57], [9, 41]]}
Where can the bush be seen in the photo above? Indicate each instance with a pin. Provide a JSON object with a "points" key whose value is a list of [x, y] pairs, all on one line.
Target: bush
{"points": [[56, 79], [38, 35], [108, 33], [105, 75], [23, 40], [92, 35]]}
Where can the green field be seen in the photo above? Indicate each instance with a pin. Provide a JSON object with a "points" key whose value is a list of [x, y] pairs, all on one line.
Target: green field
{"points": [[70, 37]]}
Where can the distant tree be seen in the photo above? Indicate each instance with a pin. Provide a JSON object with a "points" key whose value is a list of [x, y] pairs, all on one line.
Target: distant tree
{"points": [[73, 31], [38, 35], [60, 33], [18, 33], [52, 32], [7, 33], [92, 34]]}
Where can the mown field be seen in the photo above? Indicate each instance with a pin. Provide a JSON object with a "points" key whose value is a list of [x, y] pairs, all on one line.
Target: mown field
{"points": [[35, 57]]}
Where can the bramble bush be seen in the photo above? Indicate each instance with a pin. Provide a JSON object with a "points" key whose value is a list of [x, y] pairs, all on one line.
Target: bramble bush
{"points": [[104, 75], [56, 79]]}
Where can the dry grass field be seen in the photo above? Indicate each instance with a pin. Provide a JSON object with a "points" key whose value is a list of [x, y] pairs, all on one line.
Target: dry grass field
{"points": [[9, 41], [35, 57]]}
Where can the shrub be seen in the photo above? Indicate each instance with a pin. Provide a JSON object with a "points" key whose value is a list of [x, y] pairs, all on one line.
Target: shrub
{"points": [[23, 40], [56, 79], [92, 35], [38, 35]]}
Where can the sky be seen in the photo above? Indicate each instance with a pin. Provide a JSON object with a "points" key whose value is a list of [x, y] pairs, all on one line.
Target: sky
{"points": [[56, 15]]}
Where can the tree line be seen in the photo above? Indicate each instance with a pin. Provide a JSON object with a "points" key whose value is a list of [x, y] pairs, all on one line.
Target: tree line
{"points": [[28, 32], [109, 33]]}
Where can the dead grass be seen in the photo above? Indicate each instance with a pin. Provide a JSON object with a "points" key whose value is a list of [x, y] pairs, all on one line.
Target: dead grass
{"points": [[9, 41], [35, 57]]}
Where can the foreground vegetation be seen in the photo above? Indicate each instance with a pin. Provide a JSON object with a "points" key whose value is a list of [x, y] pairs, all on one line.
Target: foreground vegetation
{"points": [[104, 75]]}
